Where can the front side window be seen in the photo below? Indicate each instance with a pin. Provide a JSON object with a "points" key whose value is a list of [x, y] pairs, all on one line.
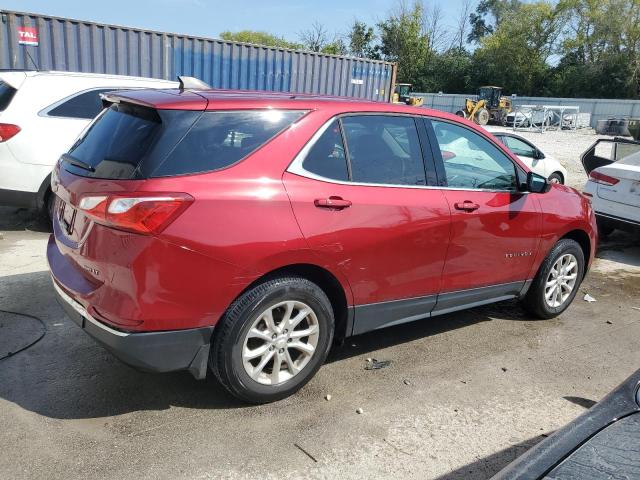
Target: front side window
{"points": [[85, 105], [519, 147], [471, 161], [327, 156], [384, 149]]}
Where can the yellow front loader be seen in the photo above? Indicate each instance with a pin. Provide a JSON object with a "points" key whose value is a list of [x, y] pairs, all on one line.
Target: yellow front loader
{"points": [[491, 106], [403, 94]]}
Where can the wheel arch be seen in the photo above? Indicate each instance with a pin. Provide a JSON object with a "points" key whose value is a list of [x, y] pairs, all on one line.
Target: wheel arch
{"points": [[560, 174], [327, 281], [581, 238]]}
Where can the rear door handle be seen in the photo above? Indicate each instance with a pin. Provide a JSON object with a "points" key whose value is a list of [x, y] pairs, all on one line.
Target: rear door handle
{"points": [[332, 203], [466, 206]]}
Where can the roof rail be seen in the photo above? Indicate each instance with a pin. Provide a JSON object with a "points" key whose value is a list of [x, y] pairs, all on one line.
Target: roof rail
{"points": [[192, 83]]}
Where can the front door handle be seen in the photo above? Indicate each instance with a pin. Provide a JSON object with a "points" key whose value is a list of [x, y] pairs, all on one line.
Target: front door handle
{"points": [[332, 203], [466, 206]]}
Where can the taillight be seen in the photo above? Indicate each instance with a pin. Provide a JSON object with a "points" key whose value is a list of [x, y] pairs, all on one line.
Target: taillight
{"points": [[7, 131], [140, 213], [603, 179]]}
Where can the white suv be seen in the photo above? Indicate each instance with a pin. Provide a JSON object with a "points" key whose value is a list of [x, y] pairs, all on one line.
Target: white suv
{"points": [[41, 114]]}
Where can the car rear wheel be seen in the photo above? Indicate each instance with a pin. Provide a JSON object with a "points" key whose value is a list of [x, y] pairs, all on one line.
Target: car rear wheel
{"points": [[273, 339], [558, 280]]}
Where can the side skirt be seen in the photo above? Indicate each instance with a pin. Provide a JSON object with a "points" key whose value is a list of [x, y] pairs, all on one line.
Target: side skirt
{"points": [[374, 316]]}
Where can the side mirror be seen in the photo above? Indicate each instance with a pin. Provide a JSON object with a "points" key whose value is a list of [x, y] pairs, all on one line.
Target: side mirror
{"points": [[537, 183], [538, 155]]}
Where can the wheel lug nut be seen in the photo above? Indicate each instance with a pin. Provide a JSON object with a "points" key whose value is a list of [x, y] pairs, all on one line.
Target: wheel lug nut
{"points": [[288, 340], [281, 350], [274, 336], [286, 331], [271, 348]]}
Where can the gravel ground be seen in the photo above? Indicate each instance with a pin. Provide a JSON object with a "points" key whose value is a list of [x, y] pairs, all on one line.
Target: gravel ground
{"points": [[565, 145]]}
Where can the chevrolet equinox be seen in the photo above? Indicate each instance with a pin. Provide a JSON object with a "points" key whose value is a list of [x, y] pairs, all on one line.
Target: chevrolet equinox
{"points": [[242, 233]]}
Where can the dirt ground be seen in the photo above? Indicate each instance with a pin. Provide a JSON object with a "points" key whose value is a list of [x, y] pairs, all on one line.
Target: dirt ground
{"points": [[465, 394]]}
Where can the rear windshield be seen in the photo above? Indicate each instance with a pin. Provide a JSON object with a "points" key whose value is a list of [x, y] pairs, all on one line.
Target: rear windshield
{"points": [[6, 95], [132, 142]]}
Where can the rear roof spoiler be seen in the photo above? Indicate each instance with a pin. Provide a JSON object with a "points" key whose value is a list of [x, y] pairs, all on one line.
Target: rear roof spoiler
{"points": [[192, 83]]}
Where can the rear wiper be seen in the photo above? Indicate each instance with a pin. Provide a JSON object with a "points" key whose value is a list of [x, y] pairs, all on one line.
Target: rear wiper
{"points": [[77, 163]]}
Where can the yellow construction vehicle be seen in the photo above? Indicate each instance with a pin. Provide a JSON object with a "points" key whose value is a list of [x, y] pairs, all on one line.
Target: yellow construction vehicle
{"points": [[402, 93], [491, 106]]}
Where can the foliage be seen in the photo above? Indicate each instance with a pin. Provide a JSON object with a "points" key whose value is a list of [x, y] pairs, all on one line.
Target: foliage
{"points": [[573, 48], [258, 38]]}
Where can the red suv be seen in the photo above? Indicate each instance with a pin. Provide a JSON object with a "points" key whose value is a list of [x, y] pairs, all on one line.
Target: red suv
{"points": [[245, 232]]}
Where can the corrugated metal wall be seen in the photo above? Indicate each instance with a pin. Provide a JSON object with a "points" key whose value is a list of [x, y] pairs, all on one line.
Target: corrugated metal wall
{"points": [[600, 109], [73, 45]]}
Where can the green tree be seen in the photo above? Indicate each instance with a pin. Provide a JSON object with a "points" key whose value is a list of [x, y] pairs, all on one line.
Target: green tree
{"points": [[488, 15], [403, 40], [258, 38], [516, 55], [601, 50], [361, 38]]}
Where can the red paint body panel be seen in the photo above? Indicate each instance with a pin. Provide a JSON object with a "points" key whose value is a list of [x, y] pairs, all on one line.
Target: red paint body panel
{"points": [[390, 243], [254, 217], [494, 244]]}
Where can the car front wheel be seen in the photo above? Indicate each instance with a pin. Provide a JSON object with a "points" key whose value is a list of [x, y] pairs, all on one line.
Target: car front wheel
{"points": [[558, 280], [273, 339]]}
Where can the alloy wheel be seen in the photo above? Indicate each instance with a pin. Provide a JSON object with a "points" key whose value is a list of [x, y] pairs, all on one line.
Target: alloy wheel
{"points": [[561, 280], [280, 343]]}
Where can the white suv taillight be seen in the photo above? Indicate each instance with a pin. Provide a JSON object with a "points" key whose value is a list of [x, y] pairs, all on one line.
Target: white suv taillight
{"points": [[140, 213]]}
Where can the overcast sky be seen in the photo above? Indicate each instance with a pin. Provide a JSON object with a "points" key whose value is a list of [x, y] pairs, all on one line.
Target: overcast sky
{"points": [[208, 18]]}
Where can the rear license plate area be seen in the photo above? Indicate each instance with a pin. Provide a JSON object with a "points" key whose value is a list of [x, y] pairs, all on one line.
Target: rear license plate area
{"points": [[67, 216]]}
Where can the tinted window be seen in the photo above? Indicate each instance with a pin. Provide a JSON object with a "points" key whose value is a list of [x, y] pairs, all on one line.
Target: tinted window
{"points": [[384, 149], [471, 161], [219, 139], [327, 158], [6, 95], [519, 147], [133, 142], [84, 105]]}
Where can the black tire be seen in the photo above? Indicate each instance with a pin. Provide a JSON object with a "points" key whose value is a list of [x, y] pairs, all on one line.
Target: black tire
{"points": [[534, 301], [225, 359], [556, 176]]}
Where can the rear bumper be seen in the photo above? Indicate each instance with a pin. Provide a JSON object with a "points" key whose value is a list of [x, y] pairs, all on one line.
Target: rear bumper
{"points": [[151, 351]]}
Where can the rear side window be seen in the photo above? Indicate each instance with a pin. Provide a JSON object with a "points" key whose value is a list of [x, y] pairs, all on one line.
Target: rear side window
{"points": [[219, 139], [6, 95], [327, 156], [384, 149], [132, 142], [85, 105]]}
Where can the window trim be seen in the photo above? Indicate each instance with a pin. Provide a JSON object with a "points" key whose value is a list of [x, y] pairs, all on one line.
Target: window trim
{"points": [[296, 166]]}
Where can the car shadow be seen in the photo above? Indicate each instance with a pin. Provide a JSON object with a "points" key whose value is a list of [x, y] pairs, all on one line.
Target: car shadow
{"points": [[487, 467], [621, 247], [14, 219], [67, 375]]}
